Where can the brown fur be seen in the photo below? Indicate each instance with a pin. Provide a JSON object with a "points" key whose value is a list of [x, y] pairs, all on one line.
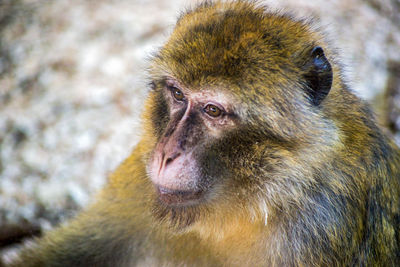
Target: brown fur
{"points": [[293, 183]]}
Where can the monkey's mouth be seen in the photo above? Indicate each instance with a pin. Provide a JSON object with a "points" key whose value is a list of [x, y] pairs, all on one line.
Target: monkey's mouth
{"points": [[174, 197]]}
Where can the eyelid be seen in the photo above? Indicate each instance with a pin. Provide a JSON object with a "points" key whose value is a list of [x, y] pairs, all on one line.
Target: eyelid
{"points": [[172, 84]]}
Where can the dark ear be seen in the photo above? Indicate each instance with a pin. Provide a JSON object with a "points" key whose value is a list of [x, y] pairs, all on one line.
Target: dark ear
{"points": [[318, 75]]}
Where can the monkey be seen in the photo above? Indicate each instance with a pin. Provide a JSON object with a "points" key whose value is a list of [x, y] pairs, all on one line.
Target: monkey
{"points": [[254, 152]]}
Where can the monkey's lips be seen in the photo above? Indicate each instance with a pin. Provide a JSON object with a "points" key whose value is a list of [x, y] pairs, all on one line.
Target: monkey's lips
{"points": [[178, 197]]}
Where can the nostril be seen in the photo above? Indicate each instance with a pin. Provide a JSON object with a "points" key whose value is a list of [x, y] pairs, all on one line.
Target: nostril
{"points": [[168, 161], [171, 158]]}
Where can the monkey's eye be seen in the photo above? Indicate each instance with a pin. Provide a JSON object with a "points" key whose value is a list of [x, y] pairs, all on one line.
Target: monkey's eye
{"points": [[178, 95], [213, 110]]}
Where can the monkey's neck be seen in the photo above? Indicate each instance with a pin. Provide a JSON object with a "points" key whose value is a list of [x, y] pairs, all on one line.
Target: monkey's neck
{"points": [[228, 232]]}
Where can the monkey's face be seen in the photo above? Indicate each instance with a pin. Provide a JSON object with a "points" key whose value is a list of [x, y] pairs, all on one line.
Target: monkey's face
{"points": [[235, 113], [193, 122]]}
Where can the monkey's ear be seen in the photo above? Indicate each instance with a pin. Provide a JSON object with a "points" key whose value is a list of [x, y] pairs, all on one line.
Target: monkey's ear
{"points": [[318, 75]]}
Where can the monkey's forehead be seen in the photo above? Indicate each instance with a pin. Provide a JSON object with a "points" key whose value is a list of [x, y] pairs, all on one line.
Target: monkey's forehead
{"points": [[236, 41]]}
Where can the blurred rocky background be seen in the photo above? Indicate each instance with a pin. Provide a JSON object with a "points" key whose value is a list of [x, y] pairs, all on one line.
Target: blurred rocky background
{"points": [[72, 85]]}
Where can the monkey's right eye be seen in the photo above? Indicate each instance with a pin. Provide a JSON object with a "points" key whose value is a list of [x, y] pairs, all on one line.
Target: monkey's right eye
{"points": [[178, 95]]}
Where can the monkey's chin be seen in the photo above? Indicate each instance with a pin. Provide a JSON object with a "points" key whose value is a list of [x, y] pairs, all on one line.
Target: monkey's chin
{"points": [[172, 197]]}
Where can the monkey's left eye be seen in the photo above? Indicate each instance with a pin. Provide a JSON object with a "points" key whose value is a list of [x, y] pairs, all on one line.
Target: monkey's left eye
{"points": [[213, 110]]}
